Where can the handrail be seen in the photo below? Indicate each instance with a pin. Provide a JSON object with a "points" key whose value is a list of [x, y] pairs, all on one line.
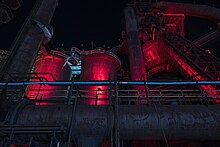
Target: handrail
{"points": [[111, 83]]}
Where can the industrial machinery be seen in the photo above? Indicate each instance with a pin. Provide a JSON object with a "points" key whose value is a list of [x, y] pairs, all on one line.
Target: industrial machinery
{"points": [[169, 97]]}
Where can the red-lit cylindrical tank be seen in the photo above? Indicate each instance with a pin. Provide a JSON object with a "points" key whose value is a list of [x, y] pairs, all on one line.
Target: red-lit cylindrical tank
{"points": [[100, 65], [49, 68]]}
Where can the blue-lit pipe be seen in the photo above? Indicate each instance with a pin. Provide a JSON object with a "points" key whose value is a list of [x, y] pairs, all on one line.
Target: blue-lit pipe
{"points": [[108, 83]]}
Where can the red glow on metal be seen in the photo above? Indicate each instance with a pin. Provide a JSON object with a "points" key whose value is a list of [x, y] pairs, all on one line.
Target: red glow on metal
{"points": [[26, 145], [191, 72], [155, 61], [98, 65], [48, 68]]}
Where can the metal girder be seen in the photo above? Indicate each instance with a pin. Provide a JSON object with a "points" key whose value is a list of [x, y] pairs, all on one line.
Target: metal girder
{"points": [[205, 63]]}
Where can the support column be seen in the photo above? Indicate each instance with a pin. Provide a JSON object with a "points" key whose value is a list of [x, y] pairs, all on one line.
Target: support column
{"points": [[136, 58], [137, 67]]}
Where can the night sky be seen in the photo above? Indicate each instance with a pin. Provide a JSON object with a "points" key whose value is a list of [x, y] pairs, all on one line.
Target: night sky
{"points": [[80, 22]]}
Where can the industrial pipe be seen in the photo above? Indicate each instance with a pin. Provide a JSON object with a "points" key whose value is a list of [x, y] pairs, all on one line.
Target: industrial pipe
{"points": [[136, 57], [192, 122], [202, 11], [28, 44], [137, 64]]}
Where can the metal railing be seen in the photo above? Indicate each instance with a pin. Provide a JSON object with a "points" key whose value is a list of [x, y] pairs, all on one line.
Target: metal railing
{"points": [[107, 95]]}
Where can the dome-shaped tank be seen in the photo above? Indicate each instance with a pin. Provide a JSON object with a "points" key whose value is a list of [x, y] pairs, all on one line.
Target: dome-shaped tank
{"points": [[98, 64], [49, 68]]}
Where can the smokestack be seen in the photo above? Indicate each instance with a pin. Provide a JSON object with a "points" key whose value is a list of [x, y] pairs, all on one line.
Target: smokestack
{"points": [[25, 48]]}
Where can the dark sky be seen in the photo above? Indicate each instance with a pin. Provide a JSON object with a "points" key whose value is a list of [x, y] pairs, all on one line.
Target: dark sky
{"points": [[84, 21], [79, 22]]}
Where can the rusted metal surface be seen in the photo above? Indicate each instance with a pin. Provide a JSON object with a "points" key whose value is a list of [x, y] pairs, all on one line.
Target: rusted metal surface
{"points": [[136, 57], [25, 47], [135, 122], [28, 42], [88, 122], [177, 122], [137, 67]]}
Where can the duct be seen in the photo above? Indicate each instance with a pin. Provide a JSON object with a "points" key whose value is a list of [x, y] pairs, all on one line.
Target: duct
{"points": [[202, 11], [136, 57], [177, 122], [28, 42]]}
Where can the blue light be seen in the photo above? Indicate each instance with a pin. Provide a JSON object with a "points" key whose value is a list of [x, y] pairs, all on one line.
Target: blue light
{"points": [[107, 83]]}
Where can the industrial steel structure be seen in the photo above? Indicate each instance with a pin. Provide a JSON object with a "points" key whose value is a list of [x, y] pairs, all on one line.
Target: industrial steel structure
{"points": [[169, 97]]}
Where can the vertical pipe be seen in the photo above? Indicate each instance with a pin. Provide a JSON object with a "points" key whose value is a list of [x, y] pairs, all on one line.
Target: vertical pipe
{"points": [[134, 46], [136, 58]]}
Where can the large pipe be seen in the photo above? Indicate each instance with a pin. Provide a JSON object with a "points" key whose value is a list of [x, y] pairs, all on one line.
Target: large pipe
{"points": [[202, 11], [25, 52], [137, 64], [192, 122], [25, 48], [136, 57]]}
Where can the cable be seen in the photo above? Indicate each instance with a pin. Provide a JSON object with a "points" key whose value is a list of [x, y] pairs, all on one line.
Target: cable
{"points": [[158, 117]]}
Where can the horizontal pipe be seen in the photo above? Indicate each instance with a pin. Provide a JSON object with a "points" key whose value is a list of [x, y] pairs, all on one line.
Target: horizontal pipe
{"points": [[201, 11], [110, 83], [193, 122]]}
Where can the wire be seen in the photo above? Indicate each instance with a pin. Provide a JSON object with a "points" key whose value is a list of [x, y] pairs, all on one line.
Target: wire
{"points": [[158, 117]]}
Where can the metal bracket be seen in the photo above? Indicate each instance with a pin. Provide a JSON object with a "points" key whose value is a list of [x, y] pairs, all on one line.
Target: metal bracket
{"points": [[47, 29]]}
